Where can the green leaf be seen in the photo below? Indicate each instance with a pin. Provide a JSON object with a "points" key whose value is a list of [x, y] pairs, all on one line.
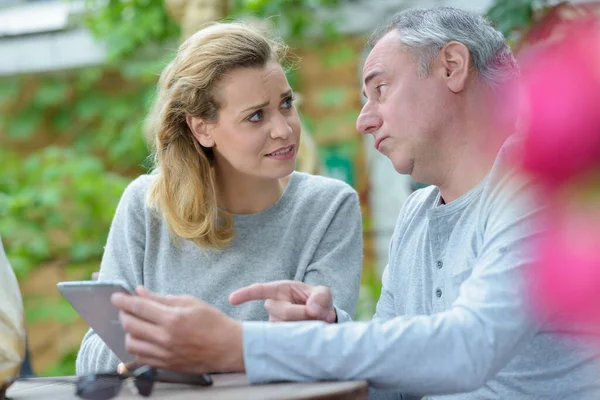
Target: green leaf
{"points": [[343, 54], [332, 96], [64, 312], [24, 125], [88, 77], [61, 120], [9, 90], [65, 366], [510, 16], [82, 251], [89, 107], [51, 93]]}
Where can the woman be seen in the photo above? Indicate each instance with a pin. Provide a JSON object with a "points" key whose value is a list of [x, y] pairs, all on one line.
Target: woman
{"points": [[224, 207]]}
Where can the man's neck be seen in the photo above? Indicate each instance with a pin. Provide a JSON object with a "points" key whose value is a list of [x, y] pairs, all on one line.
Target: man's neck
{"points": [[470, 163], [462, 180]]}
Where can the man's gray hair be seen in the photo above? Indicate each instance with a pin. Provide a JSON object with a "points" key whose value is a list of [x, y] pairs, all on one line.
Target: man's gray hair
{"points": [[425, 32]]}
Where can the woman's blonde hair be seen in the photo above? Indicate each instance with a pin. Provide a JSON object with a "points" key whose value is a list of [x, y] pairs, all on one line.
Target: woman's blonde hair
{"points": [[185, 189]]}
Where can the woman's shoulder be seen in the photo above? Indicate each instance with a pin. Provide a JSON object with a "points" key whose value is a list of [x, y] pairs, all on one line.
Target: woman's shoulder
{"points": [[319, 198], [137, 190], [140, 185], [318, 185]]}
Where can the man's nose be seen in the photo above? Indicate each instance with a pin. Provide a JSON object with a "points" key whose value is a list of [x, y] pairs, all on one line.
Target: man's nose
{"points": [[368, 122]]}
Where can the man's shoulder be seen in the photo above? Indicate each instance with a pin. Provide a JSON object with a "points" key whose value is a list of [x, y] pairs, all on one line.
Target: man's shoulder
{"points": [[506, 180], [509, 195], [506, 164], [414, 209]]}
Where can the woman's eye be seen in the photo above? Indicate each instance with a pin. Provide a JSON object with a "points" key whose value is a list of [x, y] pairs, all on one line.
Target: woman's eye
{"points": [[288, 102], [380, 88], [256, 116]]}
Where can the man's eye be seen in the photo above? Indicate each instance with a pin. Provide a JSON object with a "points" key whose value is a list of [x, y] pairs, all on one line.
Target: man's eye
{"points": [[380, 88], [288, 102], [256, 116]]}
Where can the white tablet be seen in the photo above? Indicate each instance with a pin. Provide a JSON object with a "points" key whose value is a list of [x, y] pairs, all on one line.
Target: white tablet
{"points": [[91, 300]]}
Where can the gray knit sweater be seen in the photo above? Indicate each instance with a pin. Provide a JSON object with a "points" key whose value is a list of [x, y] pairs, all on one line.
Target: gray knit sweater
{"points": [[313, 233]]}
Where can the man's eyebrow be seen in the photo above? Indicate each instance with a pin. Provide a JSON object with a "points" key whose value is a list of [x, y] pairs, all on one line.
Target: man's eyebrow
{"points": [[370, 76]]}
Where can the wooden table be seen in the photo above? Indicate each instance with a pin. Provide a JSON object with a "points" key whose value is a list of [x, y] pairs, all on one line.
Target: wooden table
{"points": [[225, 386]]}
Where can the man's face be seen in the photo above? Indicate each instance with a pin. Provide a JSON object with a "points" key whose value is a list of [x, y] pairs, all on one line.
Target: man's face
{"points": [[404, 112]]}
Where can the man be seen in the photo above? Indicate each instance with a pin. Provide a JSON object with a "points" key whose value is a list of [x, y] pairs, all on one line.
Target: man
{"points": [[12, 323], [453, 317]]}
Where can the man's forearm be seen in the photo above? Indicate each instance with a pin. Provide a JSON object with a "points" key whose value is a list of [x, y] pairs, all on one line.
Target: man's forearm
{"points": [[444, 353]]}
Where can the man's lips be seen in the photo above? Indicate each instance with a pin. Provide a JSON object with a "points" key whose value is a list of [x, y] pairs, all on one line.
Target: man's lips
{"points": [[378, 141]]}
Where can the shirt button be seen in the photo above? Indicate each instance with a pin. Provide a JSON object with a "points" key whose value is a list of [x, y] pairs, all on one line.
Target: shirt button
{"points": [[439, 264], [438, 292]]}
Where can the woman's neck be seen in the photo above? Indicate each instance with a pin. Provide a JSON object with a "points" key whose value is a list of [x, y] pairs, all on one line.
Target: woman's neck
{"points": [[249, 195]]}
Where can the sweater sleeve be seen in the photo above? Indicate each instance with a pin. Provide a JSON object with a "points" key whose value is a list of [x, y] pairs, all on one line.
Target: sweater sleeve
{"points": [[337, 262], [122, 261]]}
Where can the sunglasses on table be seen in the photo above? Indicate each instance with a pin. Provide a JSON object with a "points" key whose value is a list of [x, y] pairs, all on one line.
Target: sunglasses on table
{"points": [[103, 386]]}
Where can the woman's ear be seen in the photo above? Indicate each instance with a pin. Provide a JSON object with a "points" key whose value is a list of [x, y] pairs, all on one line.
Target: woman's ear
{"points": [[200, 130], [456, 60]]}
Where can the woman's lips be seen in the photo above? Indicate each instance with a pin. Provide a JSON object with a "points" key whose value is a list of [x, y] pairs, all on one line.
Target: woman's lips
{"points": [[283, 153]]}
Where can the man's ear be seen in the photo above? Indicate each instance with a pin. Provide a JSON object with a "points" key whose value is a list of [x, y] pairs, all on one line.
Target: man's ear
{"points": [[200, 130], [456, 61]]}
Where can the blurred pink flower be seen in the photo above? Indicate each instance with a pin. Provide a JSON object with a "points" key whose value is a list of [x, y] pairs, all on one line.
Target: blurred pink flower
{"points": [[566, 277], [561, 121], [561, 100]]}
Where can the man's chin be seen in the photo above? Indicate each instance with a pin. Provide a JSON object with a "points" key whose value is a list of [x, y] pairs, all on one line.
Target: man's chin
{"points": [[402, 166]]}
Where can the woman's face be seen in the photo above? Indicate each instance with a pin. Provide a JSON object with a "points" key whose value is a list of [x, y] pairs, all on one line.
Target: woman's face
{"points": [[258, 130]]}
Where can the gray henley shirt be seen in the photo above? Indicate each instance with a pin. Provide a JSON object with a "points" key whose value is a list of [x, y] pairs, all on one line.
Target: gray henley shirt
{"points": [[453, 320]]}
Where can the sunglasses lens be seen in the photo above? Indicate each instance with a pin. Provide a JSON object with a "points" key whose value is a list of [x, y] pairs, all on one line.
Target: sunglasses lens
{"points": [[144, 387], [144, 381], [98, 387]]}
